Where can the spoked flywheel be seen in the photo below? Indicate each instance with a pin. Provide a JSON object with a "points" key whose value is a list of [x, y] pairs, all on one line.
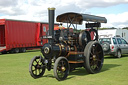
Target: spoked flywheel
{"points": [[94, 33], [93, 57], [61, 68], [37, 67]]}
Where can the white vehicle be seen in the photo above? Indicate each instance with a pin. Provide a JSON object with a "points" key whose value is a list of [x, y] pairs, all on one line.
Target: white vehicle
{"points": [[113, 32]]}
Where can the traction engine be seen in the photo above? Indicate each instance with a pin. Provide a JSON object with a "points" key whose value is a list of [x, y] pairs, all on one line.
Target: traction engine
{"points": [[67, 49]]}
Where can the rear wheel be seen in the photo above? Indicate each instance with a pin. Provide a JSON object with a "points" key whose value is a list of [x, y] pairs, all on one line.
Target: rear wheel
{"points": [[93, 57], [37, 67], [11, 51], [4, 52], [23, 50], [118, 54], [61, 68], [16, 50]]}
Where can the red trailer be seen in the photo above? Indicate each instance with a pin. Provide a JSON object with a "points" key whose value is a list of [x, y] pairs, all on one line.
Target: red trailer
{"points": [[17, 36]]}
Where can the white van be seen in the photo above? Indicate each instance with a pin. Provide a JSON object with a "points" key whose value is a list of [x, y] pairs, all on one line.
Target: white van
{"points": [[107, 33]]}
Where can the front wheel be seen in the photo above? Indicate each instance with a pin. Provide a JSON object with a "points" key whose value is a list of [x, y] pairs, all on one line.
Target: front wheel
{"points": [[61, 68], [37, 67], [93, 57]]}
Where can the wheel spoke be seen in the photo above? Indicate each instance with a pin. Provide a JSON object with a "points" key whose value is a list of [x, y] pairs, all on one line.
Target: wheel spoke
{"points": [[33, 65], [98, 60], [91, 58], [33, 70], [93, 66], [97, 66], [98, 52], [36, 71], [91, 53], [39, 71], [96, 46], [62, 63], [91, 63], [60, 74], [94, 49], [37, 61]]}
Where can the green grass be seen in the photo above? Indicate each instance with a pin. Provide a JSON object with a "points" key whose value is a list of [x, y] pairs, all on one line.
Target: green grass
{"points": [[14, 70]]}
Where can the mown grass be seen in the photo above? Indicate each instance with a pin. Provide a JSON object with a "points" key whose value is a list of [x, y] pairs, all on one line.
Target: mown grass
{"points": [[14, 70]]}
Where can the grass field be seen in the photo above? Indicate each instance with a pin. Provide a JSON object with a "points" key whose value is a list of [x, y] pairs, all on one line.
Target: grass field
{"points": [[14, 70]]}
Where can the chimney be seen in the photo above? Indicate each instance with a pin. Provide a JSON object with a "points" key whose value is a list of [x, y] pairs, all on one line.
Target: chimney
{"points": [[51, 24]]}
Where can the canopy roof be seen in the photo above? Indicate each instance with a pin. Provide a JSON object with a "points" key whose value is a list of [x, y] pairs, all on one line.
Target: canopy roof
{"points": [[76, 18]]}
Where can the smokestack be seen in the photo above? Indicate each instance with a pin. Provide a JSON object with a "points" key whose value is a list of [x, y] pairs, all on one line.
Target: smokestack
{"points": [[51, 23]]}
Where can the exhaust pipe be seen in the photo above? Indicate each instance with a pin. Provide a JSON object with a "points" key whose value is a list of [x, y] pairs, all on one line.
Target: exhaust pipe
{"points": [[51, 13]]}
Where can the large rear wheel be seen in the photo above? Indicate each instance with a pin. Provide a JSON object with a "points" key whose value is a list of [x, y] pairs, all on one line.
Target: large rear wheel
{"points": [[61, 68], [93, 57], [37, 67]]}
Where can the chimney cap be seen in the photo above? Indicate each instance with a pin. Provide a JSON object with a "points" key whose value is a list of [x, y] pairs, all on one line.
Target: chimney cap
{"points": [[52, 8]]}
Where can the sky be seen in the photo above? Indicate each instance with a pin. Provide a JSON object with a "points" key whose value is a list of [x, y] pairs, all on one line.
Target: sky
{"points": [[115, 11]]}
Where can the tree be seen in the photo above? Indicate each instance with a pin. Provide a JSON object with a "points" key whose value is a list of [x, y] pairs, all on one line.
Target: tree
{"points": [[125, 28]]}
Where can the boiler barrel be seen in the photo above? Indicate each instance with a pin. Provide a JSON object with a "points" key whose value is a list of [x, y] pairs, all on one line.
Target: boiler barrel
{"points": [[49, 51]]}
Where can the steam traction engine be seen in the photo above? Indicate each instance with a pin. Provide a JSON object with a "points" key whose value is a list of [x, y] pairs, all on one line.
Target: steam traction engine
{"points": [[67, 50]]}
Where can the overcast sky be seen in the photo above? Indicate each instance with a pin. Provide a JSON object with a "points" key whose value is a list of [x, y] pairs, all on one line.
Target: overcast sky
{"points": [[116, 11]]}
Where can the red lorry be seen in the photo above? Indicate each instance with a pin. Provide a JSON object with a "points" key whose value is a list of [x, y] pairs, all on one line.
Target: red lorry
{"points": [[16, 35]]}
